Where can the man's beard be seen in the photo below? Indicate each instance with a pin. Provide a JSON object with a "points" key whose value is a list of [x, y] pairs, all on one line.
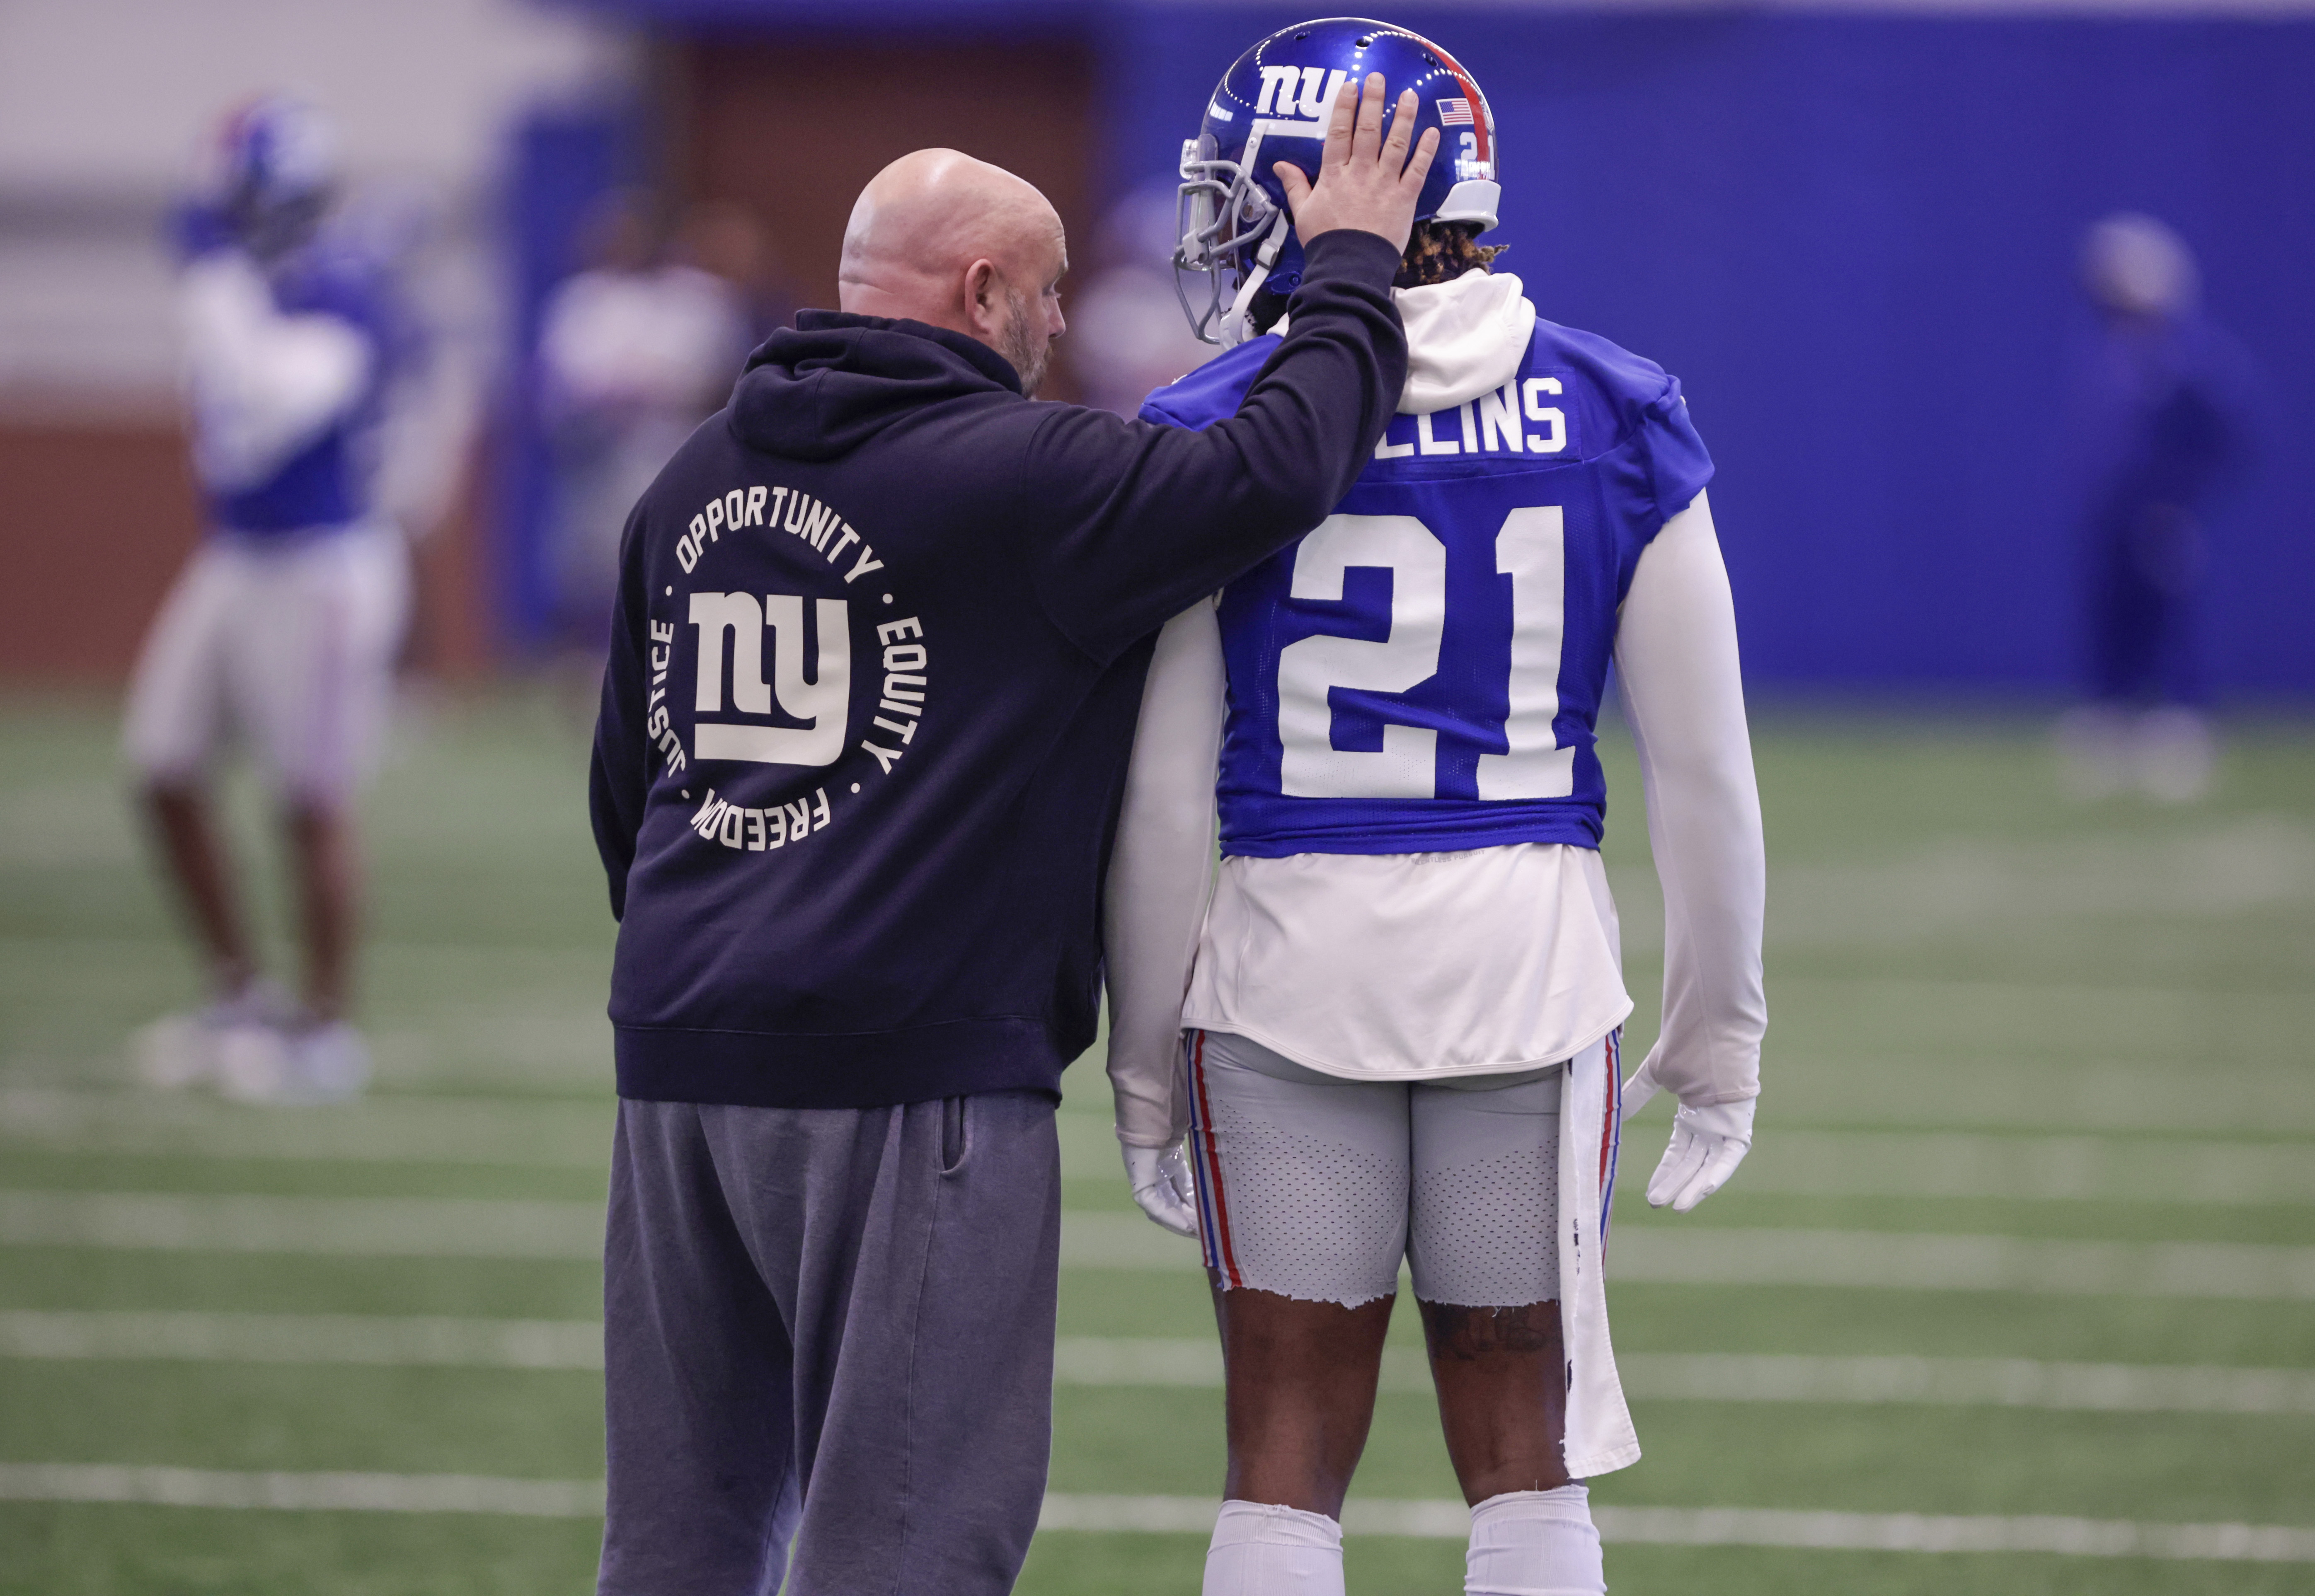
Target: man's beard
{"points": [[1021, 346]]}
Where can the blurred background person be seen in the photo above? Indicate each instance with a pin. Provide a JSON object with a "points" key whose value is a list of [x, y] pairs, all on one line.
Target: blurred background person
{"points": [[2160, 404], [282, 630], [1127, 336], [634, 352], [729, 242]]}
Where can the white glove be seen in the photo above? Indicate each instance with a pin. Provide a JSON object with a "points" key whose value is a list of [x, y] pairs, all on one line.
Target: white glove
{"points": [[1707, 1144], [1160, 1178]]}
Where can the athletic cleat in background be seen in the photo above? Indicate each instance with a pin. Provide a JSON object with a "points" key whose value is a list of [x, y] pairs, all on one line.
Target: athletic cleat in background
{"points": [[277, 1064], [2170, 755], [180, 1051]]}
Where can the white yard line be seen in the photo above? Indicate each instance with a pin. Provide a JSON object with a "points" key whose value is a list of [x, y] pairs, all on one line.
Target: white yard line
{"points": [[303, 1338], [1748, 1526], [344, 1492], [1969, 1382], [1667, 1255], [353, 1227], [377, 1130], [577, 1136], [424, 1226], [1722, 1255], [2030, 1168], [1943, 1164], [1652, 1254], [1715, 1377], [1192, 1515], [1161, 1362], [1949, 1164]]}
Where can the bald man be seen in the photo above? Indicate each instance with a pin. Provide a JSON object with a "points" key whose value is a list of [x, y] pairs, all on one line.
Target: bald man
{"points": [[881, 632], [942, 239]]}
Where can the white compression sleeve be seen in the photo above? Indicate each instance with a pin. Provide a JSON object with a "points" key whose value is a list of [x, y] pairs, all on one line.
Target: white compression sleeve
{"points": [[1535, 1543], [264, 384], [1260, 1550], [1676, 657], [1161, 875]]}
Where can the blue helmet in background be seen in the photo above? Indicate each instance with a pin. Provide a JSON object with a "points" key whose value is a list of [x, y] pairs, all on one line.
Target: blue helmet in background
{"points": [[271, 171], [1273, 104]]}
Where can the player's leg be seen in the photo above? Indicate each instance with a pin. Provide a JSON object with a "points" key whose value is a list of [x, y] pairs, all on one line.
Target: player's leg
{"points": [[1302, 1378], [324, 860], [2094, 738], [1501, 1375], [175, 720], [315, 674], [194, 859], [2176, 751], [1302, 1199], [1483, 1246]]}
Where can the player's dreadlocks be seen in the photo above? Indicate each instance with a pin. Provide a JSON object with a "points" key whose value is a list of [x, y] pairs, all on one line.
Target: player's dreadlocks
{"points": [[1436, 252], [1440, 251]]}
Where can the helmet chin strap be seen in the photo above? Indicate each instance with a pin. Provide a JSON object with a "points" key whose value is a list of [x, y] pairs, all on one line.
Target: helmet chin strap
{"points": [[1234, 328]]}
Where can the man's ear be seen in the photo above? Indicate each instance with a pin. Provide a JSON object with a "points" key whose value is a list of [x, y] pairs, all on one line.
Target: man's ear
{"points": [[984, 296]]}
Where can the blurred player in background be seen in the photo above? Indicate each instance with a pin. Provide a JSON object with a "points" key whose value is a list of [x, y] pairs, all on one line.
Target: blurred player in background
{"points": [[1126, 335], [2160, 407], [282, 630], [634, 352], [1404, 1000], [727, 241]]}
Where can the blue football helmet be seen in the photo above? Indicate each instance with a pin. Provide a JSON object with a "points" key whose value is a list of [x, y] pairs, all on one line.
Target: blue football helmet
{"points": [[271, 171], [1274, 104]]}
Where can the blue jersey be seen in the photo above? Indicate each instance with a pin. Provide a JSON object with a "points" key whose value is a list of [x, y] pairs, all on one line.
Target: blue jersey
{"points": [[1424, 672], [328, 481]]}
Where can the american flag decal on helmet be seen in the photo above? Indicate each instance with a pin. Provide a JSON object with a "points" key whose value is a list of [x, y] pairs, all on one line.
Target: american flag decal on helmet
{"points": [[1455, 113]]}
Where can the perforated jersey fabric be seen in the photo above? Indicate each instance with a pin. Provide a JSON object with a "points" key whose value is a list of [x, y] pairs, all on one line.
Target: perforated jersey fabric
{"points": [[1314, 1187]]}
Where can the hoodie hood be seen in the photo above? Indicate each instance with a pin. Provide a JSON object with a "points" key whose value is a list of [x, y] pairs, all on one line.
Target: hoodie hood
{"points": [[1463, 338], [820, 390]]}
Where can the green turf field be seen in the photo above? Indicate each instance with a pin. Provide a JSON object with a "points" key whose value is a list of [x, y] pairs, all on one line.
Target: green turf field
{"points": [[2027, 1245]]}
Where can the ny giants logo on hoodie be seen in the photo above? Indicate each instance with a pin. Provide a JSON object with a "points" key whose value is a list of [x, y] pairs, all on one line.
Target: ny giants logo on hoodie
{"points": [[810, 679]]}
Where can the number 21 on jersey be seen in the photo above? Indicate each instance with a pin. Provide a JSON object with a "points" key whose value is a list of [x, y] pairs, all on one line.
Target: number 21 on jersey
{"points": [[1531, 549]]}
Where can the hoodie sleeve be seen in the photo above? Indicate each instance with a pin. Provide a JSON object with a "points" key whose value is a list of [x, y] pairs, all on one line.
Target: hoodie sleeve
{"points": [[1133, 521], [619, 777]]}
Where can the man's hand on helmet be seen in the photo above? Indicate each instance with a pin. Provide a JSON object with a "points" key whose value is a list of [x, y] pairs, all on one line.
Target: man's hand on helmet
{"points": [[1365, 180]]}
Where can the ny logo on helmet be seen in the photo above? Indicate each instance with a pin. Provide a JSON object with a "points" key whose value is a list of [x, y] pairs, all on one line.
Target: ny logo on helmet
{"points": [[1304, 94]]}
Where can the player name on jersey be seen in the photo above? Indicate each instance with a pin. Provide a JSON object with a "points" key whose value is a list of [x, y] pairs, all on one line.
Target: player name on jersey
{"points": [[1496, 422]]}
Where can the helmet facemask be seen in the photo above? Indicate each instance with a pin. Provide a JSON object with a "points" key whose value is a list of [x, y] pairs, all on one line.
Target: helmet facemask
{"points": [[1221, 214]]}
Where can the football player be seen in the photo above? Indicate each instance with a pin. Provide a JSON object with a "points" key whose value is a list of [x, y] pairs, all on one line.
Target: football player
{"points": [[282, 629], [2163, 423], [1390, 1026]]}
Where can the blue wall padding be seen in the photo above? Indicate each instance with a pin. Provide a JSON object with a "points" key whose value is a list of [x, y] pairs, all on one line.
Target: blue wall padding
{"points": [[564, 162], [1853, 238]]}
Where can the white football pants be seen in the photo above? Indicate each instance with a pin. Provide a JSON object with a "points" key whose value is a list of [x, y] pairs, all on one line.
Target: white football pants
{"points": [[1314, 1187], [288, 644]]}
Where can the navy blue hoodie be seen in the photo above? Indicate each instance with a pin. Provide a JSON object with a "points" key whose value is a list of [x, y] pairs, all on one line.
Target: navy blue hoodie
{"points": [[879, 647]]}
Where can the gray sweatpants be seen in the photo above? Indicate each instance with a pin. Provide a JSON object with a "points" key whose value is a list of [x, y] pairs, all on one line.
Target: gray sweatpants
{"points": [[828, 1332]]}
